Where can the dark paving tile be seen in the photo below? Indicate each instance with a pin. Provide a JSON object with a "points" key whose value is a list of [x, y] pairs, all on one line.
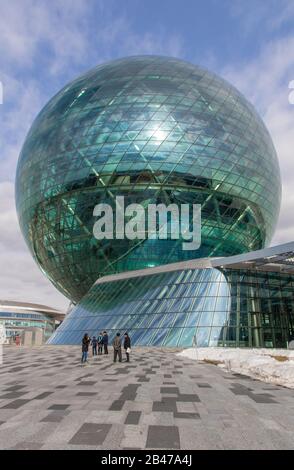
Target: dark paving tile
{"points": [[121, 372], [52, 418], [272, 388], [129, 392], [27, 446], [16, 404], [133, 417], [91, 434], [166, 404], [12, 395], [86, 394], [261, 398], [88, 383], [167, 376], [143, 379], [15, 388], [239, 388], [117, 405], [188, 397], [236, 374], [84, 377], [106, 367], [163, 437], [42, 395], [62, 386], [15, 369], [204, 385], [58, 407], [186, 415], [173, 390], [14, 382]]}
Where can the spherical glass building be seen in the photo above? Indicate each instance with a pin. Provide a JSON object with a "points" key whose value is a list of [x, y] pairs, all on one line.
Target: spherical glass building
{"points": [[153, 129]]}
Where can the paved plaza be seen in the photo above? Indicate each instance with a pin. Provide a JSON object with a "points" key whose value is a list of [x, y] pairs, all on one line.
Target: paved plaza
{"points": [[157, 401]]}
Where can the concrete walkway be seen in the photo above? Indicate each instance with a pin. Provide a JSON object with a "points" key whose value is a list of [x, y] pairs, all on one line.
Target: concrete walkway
{"points": [[157, 401]]}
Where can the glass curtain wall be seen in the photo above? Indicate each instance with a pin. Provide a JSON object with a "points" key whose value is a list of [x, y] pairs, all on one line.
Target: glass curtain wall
{"points": [[232, 308]]}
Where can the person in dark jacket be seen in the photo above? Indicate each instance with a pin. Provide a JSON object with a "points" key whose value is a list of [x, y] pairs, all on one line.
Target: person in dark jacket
{"points": [[100, 343], [85, 347], [127, 346], [94, 343], [117, 348], [105, 342]]}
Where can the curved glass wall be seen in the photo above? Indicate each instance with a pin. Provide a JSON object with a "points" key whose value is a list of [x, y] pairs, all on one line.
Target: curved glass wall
{"points": [[215, 308], [153, 129], [161, 309]]}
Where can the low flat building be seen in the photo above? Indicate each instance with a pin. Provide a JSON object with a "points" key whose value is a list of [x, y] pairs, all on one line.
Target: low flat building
{"points": [[17, 317]]}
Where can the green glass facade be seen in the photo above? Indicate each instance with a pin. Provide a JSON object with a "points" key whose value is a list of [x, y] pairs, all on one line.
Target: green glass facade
{"points": [[218, 307], [153, 129]]}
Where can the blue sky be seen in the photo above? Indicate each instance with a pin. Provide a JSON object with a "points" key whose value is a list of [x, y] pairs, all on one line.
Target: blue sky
{"points": [[44, 44]]}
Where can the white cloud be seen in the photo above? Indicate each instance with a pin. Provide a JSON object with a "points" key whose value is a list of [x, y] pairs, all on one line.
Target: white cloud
{"points": [[22, 101], [30, 28], [254, 14], [20, 278], [264, 81]]}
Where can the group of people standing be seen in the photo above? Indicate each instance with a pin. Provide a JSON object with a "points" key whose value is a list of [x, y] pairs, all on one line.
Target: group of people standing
{"points": [[101, 343]]}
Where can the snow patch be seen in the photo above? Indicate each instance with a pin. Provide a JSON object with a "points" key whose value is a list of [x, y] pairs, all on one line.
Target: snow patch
{"points": [[256, 363]]}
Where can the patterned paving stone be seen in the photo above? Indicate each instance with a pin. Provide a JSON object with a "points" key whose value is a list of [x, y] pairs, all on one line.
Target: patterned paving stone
{"points": [[42, 396], [117, 405], [239, 389], [88, 383], [48, 405], [183, 415], [163, 437], [12, 395], [166, 404], [133, 417], [173, 390], [15, 388], [58, 407], [54, 417], [91, 434], [27, 446], [16, 404], [188, 397]]}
